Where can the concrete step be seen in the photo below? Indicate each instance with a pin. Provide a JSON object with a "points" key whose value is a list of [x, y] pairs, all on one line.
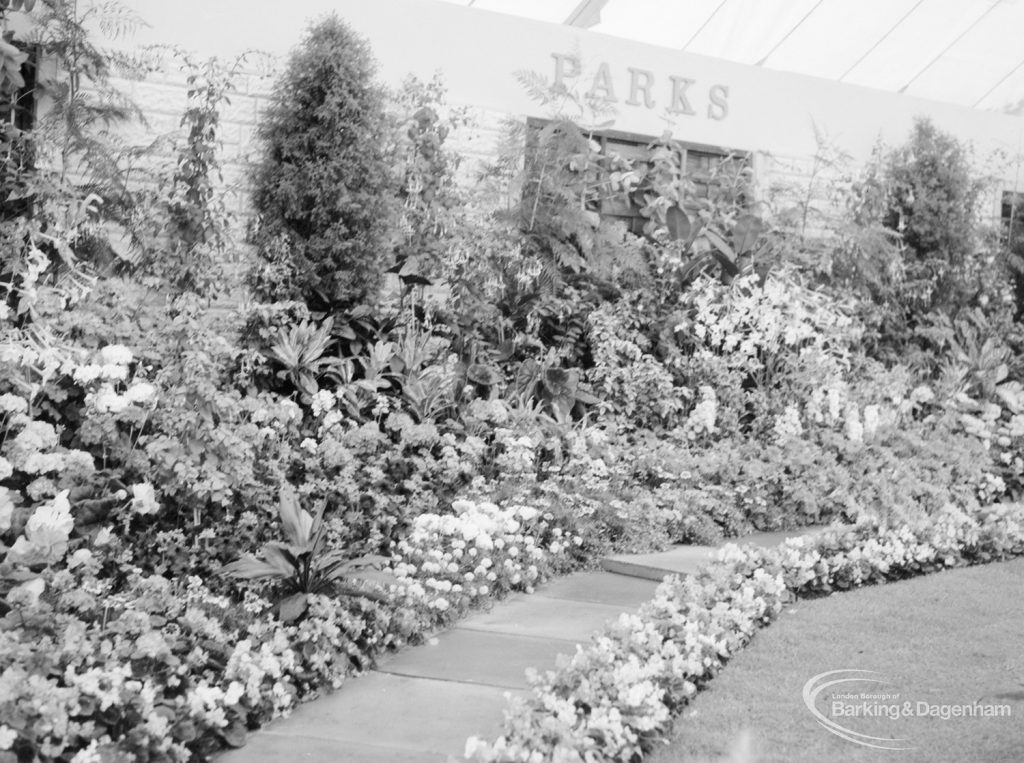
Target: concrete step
{"points": [[686, 559], [539, 616], [476, 657], [381, 717]]}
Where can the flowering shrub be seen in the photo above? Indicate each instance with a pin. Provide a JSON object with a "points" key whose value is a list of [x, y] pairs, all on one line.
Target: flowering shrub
{"points": [[634, 386], [761, 345], [158, 670], [450, 562], [170, 671], [616, 696]]}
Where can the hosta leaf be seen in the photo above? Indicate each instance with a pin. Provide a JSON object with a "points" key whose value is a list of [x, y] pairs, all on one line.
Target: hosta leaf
{"points": [[678, 224], [296, 522], [250, 568], [746, 232], [720, 244], [283, 558], [292, 607], [234, 735]]}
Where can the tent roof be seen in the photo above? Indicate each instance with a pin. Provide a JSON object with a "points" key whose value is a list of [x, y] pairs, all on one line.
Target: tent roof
{"points": [[966, 52]]}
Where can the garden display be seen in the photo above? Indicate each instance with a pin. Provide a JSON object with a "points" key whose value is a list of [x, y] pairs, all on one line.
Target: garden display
{"points": [[240, 460]]}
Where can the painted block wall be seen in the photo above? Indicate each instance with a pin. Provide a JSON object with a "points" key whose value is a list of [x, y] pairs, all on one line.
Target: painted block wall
{"points": [[479, 52]]}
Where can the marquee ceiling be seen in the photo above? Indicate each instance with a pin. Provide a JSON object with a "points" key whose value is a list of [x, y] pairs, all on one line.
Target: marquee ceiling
{"points": [[967, 52]]}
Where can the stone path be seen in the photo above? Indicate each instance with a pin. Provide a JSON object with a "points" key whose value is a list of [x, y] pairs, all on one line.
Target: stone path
{"points": [[421, 704]]}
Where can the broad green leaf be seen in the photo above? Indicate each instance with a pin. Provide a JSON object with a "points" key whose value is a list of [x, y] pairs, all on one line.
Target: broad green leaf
{"points": [[250, 568], [292, 607], [746, 232], [720, 244], [678, 224], [296, 523]]}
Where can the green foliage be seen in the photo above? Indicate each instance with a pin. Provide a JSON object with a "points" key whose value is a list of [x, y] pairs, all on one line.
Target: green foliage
{"points": [[634, 386], [715, 233], [180, 228], [934, 195], [300, 351], [323, 190], [301, 565], [425, 167]]}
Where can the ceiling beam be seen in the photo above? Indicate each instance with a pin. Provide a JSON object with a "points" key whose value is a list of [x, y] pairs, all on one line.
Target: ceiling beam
{"points": [[587, 14], [946, 49], [881, 39], [1002, 79], [785, 37], [703, 26]]}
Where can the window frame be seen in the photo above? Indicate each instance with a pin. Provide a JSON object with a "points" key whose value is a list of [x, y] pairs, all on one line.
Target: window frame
{"points": [[624, 209]]}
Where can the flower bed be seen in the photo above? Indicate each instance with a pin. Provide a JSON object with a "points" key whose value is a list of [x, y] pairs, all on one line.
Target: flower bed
{"points": [[615, 697], [171, 672]]}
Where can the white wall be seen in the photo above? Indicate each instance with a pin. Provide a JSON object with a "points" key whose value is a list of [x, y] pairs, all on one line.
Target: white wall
{"points": [[479, 52]]}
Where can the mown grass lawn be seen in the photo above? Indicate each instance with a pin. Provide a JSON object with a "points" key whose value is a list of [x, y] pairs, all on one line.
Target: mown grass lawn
{"points": [[951, 638]]}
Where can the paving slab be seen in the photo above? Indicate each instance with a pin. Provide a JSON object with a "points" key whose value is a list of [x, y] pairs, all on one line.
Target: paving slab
{"points": [[686, 559], [771, 540], [680, 560], [410, 716], [601, 588], [543, 617], [266, 747], [479, 657]]}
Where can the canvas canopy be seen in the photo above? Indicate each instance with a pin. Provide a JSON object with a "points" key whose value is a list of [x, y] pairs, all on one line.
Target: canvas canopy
{"points": [[964, 52]]}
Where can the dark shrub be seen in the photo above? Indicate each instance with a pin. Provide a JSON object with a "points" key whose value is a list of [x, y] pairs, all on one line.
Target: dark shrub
{"points": [[323, 189]]}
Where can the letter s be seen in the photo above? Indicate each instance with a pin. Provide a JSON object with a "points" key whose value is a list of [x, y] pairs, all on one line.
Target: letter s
{"points": [[719, 106]]}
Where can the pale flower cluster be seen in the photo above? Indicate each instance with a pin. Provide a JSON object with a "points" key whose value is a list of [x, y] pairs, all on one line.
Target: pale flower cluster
{"points": [[492, 411], [45, 539], [750, 320], [518, 455], [617, 691], [788, 425], [615, 694], [702, 419], [448, 562]]}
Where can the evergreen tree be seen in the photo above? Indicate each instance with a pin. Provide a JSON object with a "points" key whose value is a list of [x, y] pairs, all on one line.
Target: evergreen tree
{"points": [[323, 190]]}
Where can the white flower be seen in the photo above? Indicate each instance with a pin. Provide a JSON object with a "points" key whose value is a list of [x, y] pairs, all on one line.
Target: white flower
{"points": [[322, 402], [51, 520], [854, 429], [6, 509], [140, 392], [871, 419], [7, 737], [113, 371], [526, 513], [108, 401], [43, 463], [234, 693], [6, 470], [116, 354], [922, 394], [29, 591], [144, 499], [80, 557], [290, 410], [12, 404], [86, 374]]}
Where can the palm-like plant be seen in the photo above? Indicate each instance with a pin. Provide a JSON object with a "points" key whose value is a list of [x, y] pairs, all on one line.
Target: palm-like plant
{"points": [[301, 350], [302, 565]]}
